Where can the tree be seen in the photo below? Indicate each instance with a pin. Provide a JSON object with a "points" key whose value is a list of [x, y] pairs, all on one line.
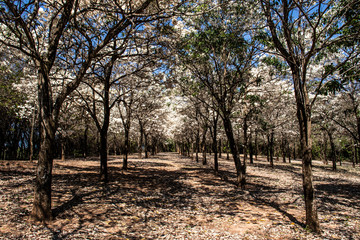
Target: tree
{"points": [[220, 53], [63, 38], [301, 32]]}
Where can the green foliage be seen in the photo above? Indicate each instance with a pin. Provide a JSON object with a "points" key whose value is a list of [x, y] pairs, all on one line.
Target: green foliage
{"points": [[10, 98], [275, 62], [331, 86]]}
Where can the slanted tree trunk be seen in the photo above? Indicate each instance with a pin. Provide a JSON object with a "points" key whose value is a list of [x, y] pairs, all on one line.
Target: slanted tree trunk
{"points": [[240, 169]]}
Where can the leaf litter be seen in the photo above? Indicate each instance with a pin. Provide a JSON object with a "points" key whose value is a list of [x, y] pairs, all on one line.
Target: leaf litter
{"points": [[169, 196]]}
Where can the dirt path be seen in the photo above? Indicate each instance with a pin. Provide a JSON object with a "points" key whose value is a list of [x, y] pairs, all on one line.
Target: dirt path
{"points": [[173, 197]]}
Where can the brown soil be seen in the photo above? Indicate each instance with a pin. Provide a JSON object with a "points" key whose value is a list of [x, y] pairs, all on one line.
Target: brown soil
{"points": [[172, 197]]}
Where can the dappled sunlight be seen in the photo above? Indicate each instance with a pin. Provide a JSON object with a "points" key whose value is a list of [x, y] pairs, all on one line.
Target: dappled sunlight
{"points": [[168, 196]]}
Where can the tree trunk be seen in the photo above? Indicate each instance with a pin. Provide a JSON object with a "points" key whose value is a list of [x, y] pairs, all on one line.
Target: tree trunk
{"points": [[251, 149], [215, 149], [256, 145], [140, 139], [240, 169], [271, 148], [333, 150], [325, 144], [146, 145], [356, 154], [283, 148], [85, 145], [304, 118], [197, 144], [289, 151], [268, 148], [31, 141], [103, 156], [62, 149], [41, 210], [203, 144], [126, 150], [245, 127], [220, 147]]}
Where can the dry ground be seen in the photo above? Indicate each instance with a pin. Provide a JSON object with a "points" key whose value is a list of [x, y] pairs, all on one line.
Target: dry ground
{"points": [[172, 197]]}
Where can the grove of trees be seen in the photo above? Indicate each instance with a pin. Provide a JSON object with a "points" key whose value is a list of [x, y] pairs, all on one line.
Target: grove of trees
{"points": [[84, 78]]}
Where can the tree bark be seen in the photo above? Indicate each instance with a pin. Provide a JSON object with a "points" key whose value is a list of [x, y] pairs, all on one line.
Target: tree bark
{"points": [[215, 147], [251, 149], [146, 145], [62, 149], [85, 144], [31, 140], [245, 128], [283, 148], [140, 139], [203, 145], [304, 118], [289, 151], [271, 148], [126, 150], [103, 156], [325, 144], [220, 147], [333, 149], [197, 144], [41, 210], [256, 145], [240, 169]]}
